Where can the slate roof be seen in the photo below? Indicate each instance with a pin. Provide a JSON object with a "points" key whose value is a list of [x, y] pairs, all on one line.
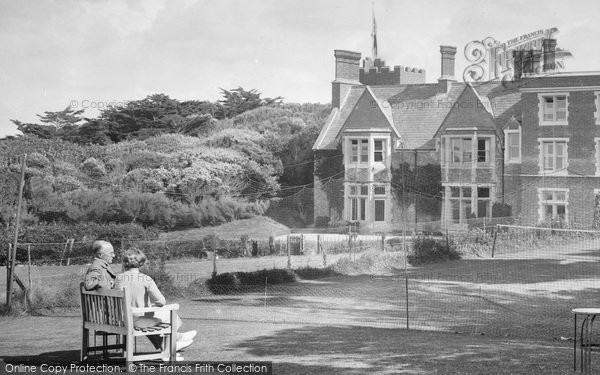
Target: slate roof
{"points": [[418, 110]]}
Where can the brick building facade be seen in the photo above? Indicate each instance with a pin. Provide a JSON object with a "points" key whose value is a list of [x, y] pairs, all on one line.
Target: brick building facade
{"points": [[398, 150]]}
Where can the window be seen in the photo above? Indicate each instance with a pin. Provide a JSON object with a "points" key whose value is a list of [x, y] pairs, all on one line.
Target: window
{"points": [[553, 155], [359, 150], [461, 150], [512, 141], [379, 150], [358, 201], [379, 190], [553, 109], [484, 202], [553, 204], [483, 150], [460, 203], [379, 193], [379, 210]]}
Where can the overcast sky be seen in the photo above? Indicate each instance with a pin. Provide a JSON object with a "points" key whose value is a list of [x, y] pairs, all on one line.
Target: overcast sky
{"points": [[88, 53]]}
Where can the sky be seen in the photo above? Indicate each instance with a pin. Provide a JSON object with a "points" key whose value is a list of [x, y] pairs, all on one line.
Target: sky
{"points": [[92, 53]]}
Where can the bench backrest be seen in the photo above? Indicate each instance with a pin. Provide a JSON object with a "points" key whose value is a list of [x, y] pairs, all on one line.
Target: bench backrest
{"points": [[106, 307]]}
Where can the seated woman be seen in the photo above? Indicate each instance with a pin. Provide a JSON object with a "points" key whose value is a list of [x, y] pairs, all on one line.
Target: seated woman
{"points": [[144, 293]]}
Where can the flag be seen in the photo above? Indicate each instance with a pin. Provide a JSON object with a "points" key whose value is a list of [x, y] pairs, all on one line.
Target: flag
{"points": [[374, 35]]}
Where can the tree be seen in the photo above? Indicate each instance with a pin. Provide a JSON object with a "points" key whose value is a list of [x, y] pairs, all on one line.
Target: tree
{"points": [[236, 101], [67, 116]]}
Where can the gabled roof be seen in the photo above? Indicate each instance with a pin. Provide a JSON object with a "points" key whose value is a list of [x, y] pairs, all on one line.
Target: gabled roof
{"points": [[417, 111], [472, 111], [336, 119]]}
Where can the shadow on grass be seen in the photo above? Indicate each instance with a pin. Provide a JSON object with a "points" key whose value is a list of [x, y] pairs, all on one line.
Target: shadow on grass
{"points": [[359, 350], [60, 357], [502, 271]]}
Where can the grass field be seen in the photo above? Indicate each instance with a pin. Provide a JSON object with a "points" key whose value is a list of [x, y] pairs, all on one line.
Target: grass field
{"points": [[260, 227], [507, 315]]}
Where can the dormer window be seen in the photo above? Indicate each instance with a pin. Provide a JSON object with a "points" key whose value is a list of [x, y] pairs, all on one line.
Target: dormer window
{"points": [[359, 152], [461, 150]]}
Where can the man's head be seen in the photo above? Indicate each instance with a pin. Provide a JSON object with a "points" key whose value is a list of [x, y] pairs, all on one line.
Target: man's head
{"points": [[104, 251]]}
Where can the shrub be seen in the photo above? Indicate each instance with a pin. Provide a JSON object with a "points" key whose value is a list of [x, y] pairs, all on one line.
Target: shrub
{"points": [[235, 282], [429, 250], [321, 221], [370, 262], [49, 240], [475, 241], [310, 273]]}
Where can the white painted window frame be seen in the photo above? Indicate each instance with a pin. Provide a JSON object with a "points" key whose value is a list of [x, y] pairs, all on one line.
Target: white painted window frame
{"points": [[541, 109], [542, 203], [507, 157], [554, 172]]}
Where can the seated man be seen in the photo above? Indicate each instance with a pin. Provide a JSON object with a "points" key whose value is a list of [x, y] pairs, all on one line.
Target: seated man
{"points": [[144, 293], [99, 273]]}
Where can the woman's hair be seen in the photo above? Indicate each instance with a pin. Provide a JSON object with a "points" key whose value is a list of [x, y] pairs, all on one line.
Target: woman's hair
{"points": [[133, 258]]}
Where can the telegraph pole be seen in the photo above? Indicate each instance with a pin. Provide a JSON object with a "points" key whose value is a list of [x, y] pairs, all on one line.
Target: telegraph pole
{"points": [[13, 255]]}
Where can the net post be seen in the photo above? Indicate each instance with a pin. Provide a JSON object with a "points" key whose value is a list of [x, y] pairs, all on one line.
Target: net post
{"points": [[289, 256]]}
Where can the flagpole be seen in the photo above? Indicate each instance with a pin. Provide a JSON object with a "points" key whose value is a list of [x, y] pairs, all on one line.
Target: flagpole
{"points": [[374, 33]]}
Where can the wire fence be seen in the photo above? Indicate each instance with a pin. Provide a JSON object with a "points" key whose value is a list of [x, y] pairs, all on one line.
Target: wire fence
{"points": [[526, 290]]}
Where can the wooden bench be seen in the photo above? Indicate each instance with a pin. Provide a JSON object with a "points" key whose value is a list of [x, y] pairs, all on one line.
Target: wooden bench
{"points": [[109, 311]]}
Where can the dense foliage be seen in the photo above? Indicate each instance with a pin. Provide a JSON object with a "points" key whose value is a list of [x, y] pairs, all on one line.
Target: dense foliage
{"points": [[159, 162]]}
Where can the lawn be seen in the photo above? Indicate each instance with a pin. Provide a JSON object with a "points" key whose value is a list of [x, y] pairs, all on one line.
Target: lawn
{"points": [[507, 315], [260, 227]]}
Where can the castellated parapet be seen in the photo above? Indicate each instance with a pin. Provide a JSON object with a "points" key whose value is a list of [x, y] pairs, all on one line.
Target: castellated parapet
{"points": [[399, 75]]}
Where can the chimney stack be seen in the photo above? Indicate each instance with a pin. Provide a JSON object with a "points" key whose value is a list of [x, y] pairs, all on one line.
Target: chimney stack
{"points": [[346, 74], [445, 81], [549, 53]]}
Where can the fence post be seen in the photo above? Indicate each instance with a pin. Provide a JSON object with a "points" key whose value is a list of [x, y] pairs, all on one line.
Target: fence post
{"points": [[29, 263], [350, 245], [302, 244], [318, 244], [214, 272], [289, 262], [324, 250], [8, 270], [494, 242], [383, 242]]}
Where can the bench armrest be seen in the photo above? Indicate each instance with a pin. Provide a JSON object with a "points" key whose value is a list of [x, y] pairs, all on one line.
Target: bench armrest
{"points": [[173, 306]]}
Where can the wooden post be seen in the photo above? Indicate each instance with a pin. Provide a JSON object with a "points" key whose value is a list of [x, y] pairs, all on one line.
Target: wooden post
{"points": [[494, 242], [406, 274], [16, 237], [214, 272], [324, 250], [29, 263], [360, 248], [383, 242], [8, 258], [289, 256], [318, 244], [350, 245], [302, 244]]}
